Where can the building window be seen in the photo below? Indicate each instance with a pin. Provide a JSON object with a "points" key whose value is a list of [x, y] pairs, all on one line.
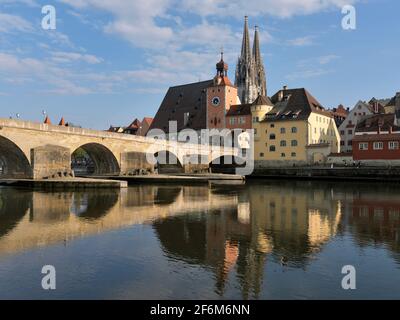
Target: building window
{"points": [[342, 143], [242, 120], [232, 120], [272, 148], [350, 132], [283, 155], [283, 130], [272, 125], [378, 145], [294, 130], [186, 117], [294, 143], [350, 143], [342, 132], [294, 154], [272, 136], [363, 146], [283, 143], [393, 145], [262, 155], [255, 131]]}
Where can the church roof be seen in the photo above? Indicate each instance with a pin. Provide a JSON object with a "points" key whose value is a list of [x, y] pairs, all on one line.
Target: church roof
{"points": [[294, 104], [189, 98]]}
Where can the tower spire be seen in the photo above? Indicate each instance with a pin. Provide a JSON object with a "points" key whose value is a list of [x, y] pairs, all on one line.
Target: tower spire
{"points": [[246, 40], [256, 47]]}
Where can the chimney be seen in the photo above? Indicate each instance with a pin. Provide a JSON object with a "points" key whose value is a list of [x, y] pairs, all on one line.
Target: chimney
{"points": [[376, 108], [281, 94]]}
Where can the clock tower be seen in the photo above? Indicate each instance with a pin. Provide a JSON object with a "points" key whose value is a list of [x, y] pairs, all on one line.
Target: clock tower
{"points": [[221, 95]]}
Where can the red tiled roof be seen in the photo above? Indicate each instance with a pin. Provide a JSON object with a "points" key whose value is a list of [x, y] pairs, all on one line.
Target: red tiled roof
{"points": [[374, 122], [62, 122], [148, 120], [239, 110]]}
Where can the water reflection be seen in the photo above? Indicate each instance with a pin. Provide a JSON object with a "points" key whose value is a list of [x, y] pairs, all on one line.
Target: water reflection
{"points": [[232, 232]]}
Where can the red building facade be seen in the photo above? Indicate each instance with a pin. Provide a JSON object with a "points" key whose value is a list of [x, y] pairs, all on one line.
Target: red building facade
{"points": [[377, 138]]}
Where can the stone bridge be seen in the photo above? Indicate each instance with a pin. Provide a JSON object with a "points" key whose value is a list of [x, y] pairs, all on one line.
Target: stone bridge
{"points": [[39, 151]]}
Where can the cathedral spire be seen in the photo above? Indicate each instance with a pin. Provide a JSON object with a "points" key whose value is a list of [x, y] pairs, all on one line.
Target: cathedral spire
{"points": [[246, 55], [256, 47]]}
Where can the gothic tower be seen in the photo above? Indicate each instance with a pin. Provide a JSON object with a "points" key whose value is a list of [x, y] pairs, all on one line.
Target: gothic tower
{"points": [[250, 73], [261, 81]]}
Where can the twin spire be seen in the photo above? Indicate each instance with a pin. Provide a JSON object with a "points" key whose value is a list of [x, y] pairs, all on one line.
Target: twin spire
{"points": [[247, 54], [250, 78], [250, 73]]}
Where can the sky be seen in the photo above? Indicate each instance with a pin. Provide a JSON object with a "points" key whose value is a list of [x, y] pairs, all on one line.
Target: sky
{"points": [[109, 62]]}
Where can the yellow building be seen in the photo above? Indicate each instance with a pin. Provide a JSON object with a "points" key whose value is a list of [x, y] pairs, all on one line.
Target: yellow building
{"points": [[292, 128]]}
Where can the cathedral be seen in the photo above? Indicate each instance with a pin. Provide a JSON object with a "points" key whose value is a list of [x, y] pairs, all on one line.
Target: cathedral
{"points": [[250, 76], [217, 103]]}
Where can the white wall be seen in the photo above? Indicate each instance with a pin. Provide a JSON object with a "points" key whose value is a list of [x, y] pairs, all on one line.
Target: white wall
{"points": [[360, 111]]}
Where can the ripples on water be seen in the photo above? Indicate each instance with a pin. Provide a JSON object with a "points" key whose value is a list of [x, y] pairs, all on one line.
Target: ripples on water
{"points": [[263, 240]]}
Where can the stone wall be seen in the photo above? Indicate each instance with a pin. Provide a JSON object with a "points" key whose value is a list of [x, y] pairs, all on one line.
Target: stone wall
{"points": [[51, 162]]}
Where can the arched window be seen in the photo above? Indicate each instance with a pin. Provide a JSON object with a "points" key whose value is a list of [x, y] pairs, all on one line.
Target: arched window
{"points": [[272, 136], [272, 148]]}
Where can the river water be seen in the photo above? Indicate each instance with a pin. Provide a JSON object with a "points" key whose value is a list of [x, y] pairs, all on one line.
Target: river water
{"points": [[261, 240]]}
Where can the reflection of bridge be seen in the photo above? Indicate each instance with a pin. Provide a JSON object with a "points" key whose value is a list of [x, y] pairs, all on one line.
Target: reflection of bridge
{"points": [[38, 219], [37, 150]]}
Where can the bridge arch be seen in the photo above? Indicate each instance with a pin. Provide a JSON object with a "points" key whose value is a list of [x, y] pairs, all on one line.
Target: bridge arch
{"points": [[94, 159], [226, 164], [168, 162], [13, 161]]}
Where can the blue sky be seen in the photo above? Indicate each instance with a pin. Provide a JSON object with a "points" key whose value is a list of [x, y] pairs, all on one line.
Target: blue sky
{"points": [[109, 62]]}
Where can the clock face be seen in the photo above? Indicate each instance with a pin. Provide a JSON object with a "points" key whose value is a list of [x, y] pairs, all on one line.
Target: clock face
{"points": [[216, 101]]}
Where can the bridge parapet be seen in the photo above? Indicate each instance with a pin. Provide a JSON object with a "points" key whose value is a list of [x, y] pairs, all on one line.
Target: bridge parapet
{"points": [[43, 150]]}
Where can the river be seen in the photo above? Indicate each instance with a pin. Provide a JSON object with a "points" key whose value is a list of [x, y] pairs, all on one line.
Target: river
{"points": [[260, 240]]}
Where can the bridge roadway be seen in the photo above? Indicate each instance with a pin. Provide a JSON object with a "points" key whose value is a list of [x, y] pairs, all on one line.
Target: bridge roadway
{"points": [[41, 151]]}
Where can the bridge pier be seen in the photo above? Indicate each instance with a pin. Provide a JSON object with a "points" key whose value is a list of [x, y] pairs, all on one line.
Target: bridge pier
{"points": [[196, 168], [51, 161], [133, 163]]}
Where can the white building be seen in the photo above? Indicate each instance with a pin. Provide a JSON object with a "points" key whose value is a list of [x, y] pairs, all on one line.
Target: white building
{"points": [[347, 128]]}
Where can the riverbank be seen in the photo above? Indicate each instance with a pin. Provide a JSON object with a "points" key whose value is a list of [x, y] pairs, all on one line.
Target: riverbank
{"points": [[328, 173], [177, 178], [64, 184]]}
